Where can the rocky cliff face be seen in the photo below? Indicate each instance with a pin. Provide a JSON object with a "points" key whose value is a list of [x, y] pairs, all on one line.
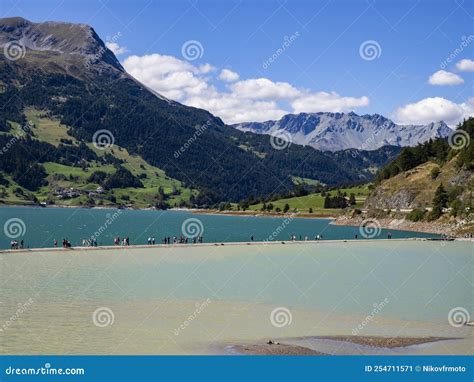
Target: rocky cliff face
{"points": [[398, 200]]}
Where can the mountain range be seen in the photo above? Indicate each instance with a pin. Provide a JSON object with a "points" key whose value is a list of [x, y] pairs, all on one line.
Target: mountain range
{"points": [[340, 131], [62, 74]]}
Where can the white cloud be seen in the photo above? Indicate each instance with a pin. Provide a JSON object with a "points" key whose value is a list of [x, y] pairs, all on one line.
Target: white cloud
{"points": [[322, 101], [116, 48], [263, 88], [206, 68], [255, 99], [442, 77], [434, 109], [465, 65], [174, 78], [234, 110], [228, 75]]}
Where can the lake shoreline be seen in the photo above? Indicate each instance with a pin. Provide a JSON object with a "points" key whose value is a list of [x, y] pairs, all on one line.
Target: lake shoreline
{"points": [[263, 214], [197, 211]]}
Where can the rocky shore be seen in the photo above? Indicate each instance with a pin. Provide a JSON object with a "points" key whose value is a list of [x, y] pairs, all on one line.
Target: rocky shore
{"points": [[441, 227]]}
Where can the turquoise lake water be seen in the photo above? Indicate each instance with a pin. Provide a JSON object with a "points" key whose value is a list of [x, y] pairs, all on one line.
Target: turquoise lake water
{"points": [[38, 227], [197, 299]]}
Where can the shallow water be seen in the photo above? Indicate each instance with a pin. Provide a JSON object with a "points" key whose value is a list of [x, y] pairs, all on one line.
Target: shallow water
{"points": [[193, 300], [40, 226]]}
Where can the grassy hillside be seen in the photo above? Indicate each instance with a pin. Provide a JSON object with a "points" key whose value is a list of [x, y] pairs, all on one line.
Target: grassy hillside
{"points": [[442, 168], [415, 188], [316, 201], [47, 129]]}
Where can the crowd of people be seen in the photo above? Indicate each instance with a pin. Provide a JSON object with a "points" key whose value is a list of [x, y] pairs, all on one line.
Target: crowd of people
{"points": [[89, 242], [124, 242], [66, 243], [92, 242], [181, 240], [166, 240], [306, 238], [15, 244]]}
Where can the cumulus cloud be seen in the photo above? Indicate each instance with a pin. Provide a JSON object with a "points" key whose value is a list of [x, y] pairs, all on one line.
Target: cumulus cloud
{"points": [[234, 110], [172, 77], [263, 88], [323, 101], [116, 48], [254, 99], [442, 78], [228, 75], [206, 68], [434, 109], [465, 65]]}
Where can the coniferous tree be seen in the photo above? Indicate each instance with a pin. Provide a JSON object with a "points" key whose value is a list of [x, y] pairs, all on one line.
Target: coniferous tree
{"points": [[352, 200], [440, 201]]}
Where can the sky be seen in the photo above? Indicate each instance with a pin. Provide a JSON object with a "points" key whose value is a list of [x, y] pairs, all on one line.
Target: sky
{"points": [[411, 61]]}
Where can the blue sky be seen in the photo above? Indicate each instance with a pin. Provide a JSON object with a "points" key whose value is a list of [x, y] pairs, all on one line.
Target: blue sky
{"points": [[322, 67]]}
